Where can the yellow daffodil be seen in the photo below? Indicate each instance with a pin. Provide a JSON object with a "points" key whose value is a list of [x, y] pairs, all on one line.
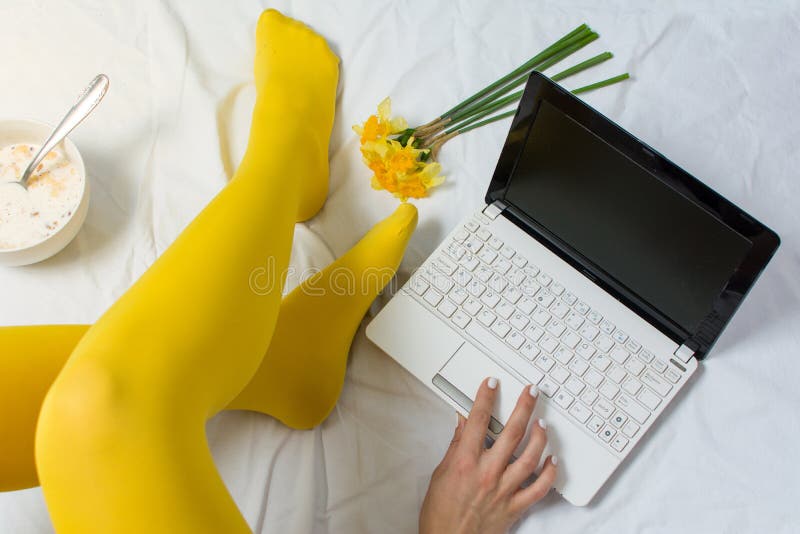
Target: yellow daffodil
{"points": [[399, 169], [382, 125]]}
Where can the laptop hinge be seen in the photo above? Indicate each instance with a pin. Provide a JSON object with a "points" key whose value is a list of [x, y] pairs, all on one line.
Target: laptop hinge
{"points": [[494, 209], [684, 353]]}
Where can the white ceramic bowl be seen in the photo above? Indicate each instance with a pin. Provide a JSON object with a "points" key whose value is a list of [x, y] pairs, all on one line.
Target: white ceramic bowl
{"points": [[33, 132]]}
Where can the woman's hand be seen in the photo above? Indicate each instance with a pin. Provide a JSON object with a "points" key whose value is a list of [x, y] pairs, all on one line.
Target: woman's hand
{"points": [[476, 490]]}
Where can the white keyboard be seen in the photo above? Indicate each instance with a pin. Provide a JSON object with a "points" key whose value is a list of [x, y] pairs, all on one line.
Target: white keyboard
{"points": [[587, 367]]}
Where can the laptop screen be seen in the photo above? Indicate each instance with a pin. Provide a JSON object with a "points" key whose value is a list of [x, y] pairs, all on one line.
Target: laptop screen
{"points": [[669, 251]]}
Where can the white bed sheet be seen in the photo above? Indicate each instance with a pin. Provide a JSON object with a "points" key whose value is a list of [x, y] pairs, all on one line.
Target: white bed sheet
{"points": [[715, 87]]}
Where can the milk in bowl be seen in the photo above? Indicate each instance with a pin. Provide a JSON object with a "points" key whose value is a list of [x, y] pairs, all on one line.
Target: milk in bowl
{"points": [[54, 192]]}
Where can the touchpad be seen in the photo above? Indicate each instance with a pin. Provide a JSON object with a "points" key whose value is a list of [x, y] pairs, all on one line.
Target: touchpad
{"points": [[463, 373]]}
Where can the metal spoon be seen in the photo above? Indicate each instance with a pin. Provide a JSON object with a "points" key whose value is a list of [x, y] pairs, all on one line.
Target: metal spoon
{"points": [[88, 100]]}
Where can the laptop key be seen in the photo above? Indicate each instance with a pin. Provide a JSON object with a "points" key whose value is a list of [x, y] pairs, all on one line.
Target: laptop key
{"points": [[578, 366], [460, 319], [634, 367], [630, 429], [458, 295], [490, 298], [649, 399], [515, 339], [548, 387], [504, 309], [563, 399], [620, 336], [519, 321], [603, 343], [569, 298], [609, 390], [632, 386], [603, 408], [585, 351], [571, 339], [559, 309], [574, 386], [474, 245], [580, 412], [483, 234], [432, 297], [447, 308], [419, 286], [595, 424], [472, 306], [487, 255], [500, 329], [619, 355], [529, 350], [469, 262], [545, 362], [501, 266], [607, 327], [519, 261], [486, 317], [559, 374], [588, 397], [660, 386], [607, 433], [460, 235], [548, 344], [563, 355], [619, 443], [507, 252], [556, 328], [512, 294], [619, 419], [672, 375], [632, 408]]}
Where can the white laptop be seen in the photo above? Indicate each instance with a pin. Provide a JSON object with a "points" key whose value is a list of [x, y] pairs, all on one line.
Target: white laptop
{"points": [[598, 270]]}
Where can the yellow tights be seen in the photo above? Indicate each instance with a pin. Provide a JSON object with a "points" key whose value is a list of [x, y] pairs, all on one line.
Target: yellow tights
{"points": [[120, 440], [299, 378]]}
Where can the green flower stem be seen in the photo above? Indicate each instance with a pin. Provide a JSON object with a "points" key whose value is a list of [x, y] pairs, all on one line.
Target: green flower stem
{"points": [[489, 109], [467, 126], [591, 62], [490, 120], [574, 36], [569, 50], [480, 105], [598, 85]]}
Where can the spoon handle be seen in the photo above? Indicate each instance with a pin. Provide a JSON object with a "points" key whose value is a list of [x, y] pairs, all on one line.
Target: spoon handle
{"points": [[88, 100]]}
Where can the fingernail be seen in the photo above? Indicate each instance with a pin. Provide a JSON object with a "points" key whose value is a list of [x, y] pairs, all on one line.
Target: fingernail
{"points": [[492, 383], [542, 423], [554, 460], [534, 391]]}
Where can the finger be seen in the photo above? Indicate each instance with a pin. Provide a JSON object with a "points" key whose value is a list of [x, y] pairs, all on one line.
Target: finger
{"points": [[456, 437], [524, 466], [478, 421], [534, 493], [514, 431]]}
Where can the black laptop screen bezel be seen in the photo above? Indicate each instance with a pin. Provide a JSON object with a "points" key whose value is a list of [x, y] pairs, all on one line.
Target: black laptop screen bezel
{"points": [[763, 241]]}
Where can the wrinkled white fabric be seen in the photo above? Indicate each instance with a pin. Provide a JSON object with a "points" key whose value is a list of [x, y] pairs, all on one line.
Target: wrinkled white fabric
{"points": [[715, 87]]}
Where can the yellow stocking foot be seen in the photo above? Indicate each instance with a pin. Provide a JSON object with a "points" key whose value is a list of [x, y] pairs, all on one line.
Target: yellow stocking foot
{"points": [[296, 101], [301, 376]]}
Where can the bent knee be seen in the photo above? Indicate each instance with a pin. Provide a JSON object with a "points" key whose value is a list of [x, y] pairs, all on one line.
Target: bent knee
{"points": [[85, 408]]}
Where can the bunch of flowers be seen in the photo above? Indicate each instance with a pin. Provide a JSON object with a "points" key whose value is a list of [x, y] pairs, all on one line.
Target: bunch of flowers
{"points": [[403, 159]]}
